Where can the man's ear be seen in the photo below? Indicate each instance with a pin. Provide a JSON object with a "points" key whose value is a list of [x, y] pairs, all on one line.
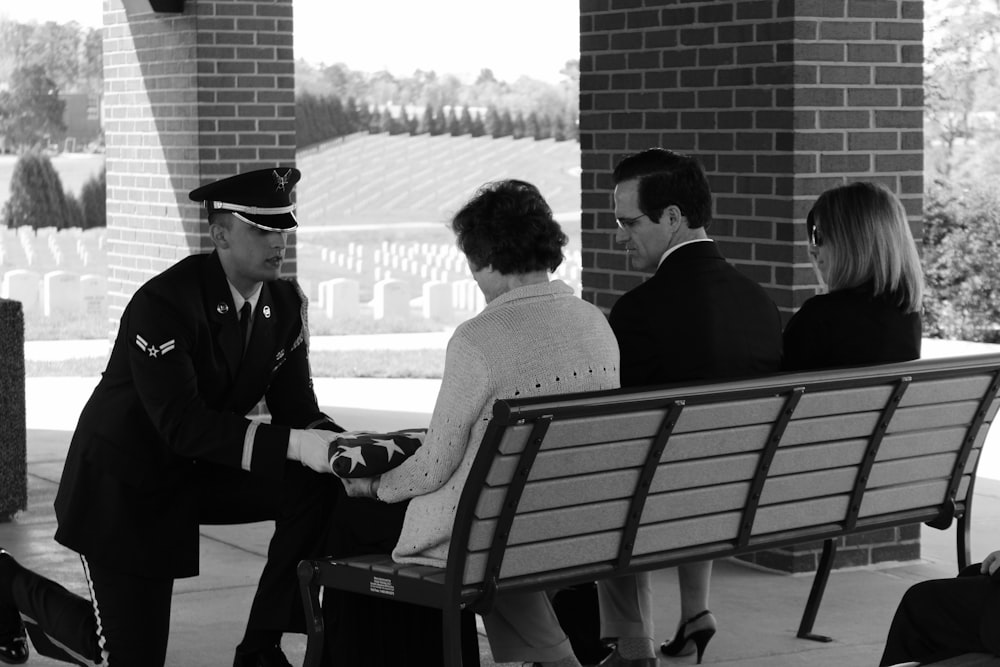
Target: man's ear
{"points": [[672, 216], [219, 235]]}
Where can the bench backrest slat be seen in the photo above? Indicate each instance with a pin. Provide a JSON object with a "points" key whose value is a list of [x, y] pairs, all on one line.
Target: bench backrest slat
{"points": [[574, 504]]}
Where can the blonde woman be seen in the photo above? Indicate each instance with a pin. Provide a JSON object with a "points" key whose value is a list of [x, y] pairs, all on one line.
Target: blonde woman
{"points": [[863, 251]]}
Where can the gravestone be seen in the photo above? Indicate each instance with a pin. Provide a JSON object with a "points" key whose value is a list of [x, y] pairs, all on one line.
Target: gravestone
{"points": [[61, 294], [94, 295], [390, 300], [340, 298], [22, 285], [437, 301]]}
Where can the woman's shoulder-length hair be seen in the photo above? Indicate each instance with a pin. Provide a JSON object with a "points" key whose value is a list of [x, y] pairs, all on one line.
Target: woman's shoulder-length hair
{"points": [[868, 237]]}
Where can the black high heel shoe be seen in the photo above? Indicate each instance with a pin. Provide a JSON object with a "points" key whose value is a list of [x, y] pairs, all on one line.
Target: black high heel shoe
{"points": [[13, 641], [679, 645]]}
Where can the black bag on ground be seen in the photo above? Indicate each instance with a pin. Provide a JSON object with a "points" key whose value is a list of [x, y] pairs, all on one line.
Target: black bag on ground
{"points": [[366, 631]]}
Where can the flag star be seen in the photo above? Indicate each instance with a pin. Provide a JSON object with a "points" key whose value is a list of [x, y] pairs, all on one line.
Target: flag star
{"points": [[390, 447], [354, 454]]}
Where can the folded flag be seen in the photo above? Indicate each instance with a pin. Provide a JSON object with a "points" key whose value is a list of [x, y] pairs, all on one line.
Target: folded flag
{"points": [[367, 454]]}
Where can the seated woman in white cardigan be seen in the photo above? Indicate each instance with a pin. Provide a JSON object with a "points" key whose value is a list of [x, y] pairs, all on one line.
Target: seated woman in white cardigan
{"points": [[534, 337]]}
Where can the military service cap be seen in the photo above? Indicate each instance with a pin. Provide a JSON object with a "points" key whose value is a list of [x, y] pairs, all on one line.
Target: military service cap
{"points": [[260, 198]]}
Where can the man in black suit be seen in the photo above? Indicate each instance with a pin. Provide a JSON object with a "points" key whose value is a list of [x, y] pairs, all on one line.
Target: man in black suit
{"points": [[163, 445], [696, 318]]}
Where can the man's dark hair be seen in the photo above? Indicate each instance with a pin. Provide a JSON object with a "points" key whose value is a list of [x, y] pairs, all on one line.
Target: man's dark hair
{"points": [[667, 179], [508, 225]]}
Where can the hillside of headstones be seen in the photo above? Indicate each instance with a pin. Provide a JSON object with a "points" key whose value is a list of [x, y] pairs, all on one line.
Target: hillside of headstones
{"points": [[64, 274]]}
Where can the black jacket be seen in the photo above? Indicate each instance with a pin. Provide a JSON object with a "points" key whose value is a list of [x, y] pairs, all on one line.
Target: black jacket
{"points": [[850, 327], [174, 394], [696, 318]]}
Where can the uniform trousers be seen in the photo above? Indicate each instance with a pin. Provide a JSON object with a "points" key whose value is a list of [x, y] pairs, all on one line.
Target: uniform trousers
{"points": [[127, 621], [943, 618]]}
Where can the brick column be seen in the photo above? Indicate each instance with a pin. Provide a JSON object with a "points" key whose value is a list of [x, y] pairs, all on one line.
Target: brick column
{"points": [[780, 100], [188, 98]]}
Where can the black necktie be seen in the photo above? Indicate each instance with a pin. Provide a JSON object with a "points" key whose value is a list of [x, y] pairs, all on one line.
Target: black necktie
{"points": [[245, 322]]}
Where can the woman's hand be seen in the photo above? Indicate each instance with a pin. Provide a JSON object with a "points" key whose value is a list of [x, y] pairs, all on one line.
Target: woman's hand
{"points": [[361, 487]]}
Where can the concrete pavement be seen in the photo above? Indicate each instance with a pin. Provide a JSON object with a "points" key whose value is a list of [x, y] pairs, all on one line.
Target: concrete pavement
{"points": [[758, 611]]}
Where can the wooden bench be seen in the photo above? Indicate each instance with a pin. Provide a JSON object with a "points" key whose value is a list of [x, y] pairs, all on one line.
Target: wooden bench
{"points": [[573, 488]]}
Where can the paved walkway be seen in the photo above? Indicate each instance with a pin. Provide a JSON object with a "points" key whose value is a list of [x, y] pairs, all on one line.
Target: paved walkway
{"points": [[758, 611]]}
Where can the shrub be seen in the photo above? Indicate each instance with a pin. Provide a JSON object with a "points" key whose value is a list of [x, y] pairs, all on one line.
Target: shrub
{"points": [[36, 194], [961, 243], [93, 201]]}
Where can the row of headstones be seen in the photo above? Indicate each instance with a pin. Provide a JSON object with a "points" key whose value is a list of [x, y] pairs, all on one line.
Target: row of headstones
{"points": [[341, 298], [425, 261], [55, 293], [59, 246]]}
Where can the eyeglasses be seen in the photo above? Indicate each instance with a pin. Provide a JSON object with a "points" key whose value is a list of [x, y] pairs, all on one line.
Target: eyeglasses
{"points": [[628, 223], [815, 238]]}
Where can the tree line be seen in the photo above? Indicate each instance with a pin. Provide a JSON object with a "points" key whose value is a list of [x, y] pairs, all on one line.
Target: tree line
{"points": [[428, 88], [38, 62], [321, 118]]}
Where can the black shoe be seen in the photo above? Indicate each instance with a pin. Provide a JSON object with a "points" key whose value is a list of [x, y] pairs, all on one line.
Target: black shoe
{"points": [[14, 647], [689, 640], [13, 641], [268, 657]]}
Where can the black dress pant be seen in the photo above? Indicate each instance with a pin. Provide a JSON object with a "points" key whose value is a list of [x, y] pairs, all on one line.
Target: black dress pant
{"points": [[127, 621], [377, 632], [943, 618]]}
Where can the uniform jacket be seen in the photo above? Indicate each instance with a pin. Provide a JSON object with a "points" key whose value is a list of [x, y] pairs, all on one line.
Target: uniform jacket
{"points": [[174, 394], [696, 318], [850, 327]]}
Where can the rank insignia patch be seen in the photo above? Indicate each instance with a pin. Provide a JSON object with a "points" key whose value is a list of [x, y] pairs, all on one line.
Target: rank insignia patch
{"points": [[152, 350]]}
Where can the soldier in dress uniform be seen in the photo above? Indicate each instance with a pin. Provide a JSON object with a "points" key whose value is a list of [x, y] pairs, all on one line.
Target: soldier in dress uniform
{"points": [[163, 446]]}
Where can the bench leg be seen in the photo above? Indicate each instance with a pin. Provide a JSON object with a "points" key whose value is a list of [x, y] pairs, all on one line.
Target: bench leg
{"points": [[313, 614], [816, 594], [962, 540], [451, 635]]}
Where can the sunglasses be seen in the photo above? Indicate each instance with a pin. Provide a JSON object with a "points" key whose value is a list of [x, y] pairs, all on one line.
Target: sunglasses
{"points": [[815, 238]]}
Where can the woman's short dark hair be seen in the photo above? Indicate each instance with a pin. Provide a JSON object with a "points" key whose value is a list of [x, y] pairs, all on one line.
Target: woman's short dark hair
{"points": [[667, 179], [507, 225]]}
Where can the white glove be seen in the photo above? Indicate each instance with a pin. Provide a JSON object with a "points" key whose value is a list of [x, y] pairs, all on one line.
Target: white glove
{"points": [[311, 448]]}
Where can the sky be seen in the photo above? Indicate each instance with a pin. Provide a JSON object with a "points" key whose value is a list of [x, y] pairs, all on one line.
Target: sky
{"points": [[512, 37]]}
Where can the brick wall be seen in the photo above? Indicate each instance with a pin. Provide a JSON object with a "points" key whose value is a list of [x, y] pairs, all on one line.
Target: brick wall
{"points": [[780, 100], [188, 98]]}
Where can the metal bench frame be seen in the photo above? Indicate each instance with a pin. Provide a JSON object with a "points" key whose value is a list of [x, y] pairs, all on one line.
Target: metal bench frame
{"points": [[445, 589]]}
